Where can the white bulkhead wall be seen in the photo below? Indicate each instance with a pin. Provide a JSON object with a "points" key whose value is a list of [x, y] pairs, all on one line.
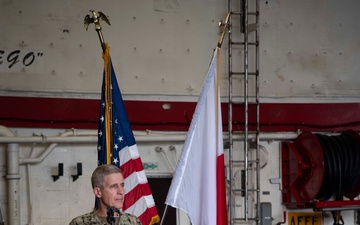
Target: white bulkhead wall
{"points": [[309, 51]]}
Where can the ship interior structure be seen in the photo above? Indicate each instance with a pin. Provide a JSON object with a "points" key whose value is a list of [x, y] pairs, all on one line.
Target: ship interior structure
{"points": [[289, 87]]}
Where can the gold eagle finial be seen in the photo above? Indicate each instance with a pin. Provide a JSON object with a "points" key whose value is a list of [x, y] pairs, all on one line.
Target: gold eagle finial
{"points": [[95, 18]]}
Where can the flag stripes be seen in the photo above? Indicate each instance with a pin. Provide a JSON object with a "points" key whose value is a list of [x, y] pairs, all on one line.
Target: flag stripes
{"points": [[132, 166], [135, 194]]}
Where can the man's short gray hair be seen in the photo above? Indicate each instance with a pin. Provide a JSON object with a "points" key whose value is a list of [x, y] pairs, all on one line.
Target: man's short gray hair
{"points": [[98, 176]]}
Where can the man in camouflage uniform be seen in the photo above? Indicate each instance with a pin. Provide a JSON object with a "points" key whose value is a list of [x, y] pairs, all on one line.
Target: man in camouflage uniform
{"points": [[108, 186]]}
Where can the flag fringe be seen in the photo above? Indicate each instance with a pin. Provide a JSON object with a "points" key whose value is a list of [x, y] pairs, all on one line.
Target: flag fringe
{"points": [[154, 220]]}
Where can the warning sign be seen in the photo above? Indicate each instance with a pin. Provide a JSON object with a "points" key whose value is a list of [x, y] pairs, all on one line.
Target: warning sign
{"points": [[305, 218]]}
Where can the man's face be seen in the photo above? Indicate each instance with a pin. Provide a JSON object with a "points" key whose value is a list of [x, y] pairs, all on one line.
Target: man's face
{"points": [[112, 194]]}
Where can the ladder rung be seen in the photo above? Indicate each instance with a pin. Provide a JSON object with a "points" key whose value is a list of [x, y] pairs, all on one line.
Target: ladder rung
{"points": [[250, 163], [242, 219], [249, 190], [243, 43], [243, 73], [249, 132], [241, 102], [241, 13], [242, 161]]}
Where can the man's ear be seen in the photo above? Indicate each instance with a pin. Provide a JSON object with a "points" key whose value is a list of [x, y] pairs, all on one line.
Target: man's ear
{"points": [[97, 192]]}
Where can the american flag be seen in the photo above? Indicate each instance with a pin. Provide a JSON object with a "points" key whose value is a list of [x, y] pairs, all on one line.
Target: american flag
{"points": [[123, 151]]}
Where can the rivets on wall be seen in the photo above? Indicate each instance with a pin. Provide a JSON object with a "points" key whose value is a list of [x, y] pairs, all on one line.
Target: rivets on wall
{"points": [[22, 44], [190, 88]]}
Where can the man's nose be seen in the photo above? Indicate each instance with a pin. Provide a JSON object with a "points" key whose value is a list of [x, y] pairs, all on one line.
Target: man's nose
{"points": [[120, 190]]}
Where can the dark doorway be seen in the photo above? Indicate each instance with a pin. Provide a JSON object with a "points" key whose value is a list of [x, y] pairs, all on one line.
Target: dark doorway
{"points": [[159, 188]]}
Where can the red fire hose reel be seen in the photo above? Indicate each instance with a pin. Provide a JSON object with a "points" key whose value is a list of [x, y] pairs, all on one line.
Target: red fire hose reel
{"points": [[317, 168]]}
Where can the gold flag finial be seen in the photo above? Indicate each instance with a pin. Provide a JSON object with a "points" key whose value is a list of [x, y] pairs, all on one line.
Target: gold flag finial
{"points": [[95, 18], [225, 26]]}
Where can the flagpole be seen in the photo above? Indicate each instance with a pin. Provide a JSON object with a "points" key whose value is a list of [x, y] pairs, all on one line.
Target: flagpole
{"points": [[116, 139], [95, 18], [164, 214]]}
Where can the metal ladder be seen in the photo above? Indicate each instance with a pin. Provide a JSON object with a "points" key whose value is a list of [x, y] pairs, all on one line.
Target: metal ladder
{"points": [[243, 67]]}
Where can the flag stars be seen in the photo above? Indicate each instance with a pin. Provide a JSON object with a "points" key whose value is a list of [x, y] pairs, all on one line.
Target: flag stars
{"points": [[102, 118], [120, 138], [116, 146], [99, 147], [115, 161], [100, 133]]}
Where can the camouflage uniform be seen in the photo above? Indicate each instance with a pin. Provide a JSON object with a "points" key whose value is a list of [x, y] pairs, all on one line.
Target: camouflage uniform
{"points": [[93, 219]]}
